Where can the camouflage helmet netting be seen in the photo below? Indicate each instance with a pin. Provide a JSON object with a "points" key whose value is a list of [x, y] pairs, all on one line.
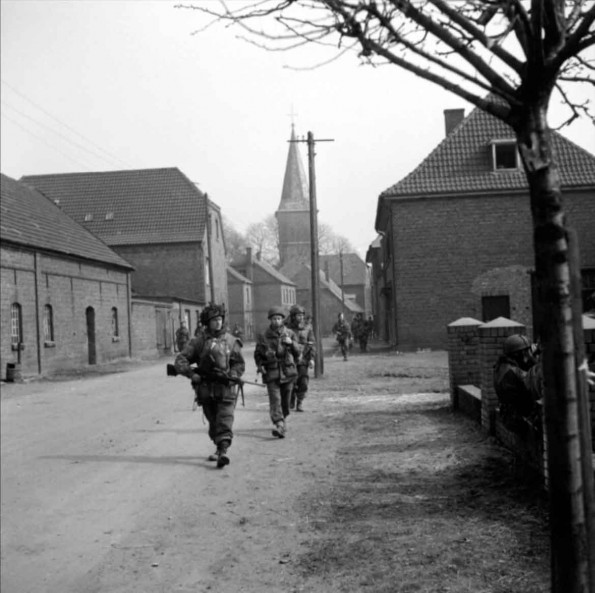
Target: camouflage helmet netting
{"points": [[210, 312]]}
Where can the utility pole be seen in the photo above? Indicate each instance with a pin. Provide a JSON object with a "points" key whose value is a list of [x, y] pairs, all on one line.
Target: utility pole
{"points": [[314, 260], [342, 282]]}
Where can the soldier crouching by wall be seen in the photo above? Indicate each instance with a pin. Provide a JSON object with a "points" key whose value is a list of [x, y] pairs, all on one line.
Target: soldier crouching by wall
{"points": [[219, 361], [305, 361], [518, 385], [275, 354]]}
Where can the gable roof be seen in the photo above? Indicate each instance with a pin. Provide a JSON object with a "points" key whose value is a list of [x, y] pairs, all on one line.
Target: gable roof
{"points": [[462, 162], [233, 274], [354, 268], [32, 220], [275, 274], [130, 207]]}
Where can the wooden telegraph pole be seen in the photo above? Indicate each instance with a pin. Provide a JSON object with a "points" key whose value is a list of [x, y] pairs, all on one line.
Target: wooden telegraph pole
{"points": [[314, 261]]}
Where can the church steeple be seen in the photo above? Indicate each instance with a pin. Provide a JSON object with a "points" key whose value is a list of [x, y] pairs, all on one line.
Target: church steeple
{"points": [[293, 214], [295, 185]]}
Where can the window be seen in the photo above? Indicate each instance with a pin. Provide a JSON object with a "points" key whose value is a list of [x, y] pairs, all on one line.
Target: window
{"points": [[504, 155], [207, 274], [247, 295], [48, 325], [115, 328], [495, 306], [16, 325]]}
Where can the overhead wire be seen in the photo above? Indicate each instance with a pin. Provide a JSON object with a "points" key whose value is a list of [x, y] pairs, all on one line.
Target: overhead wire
{"points": [[114, 159]]}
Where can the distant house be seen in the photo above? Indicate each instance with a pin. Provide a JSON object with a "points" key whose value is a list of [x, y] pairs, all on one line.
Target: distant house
{"points": [[331, 300], [65, 294], [457, 231], [159, 221], [241, 303], [349, 272], [269, 286]]}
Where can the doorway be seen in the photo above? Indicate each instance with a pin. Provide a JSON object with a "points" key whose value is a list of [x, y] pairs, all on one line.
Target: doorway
{"points": [[90, 314]]}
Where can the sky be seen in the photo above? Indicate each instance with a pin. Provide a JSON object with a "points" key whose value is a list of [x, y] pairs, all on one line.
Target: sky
{"points": [[111, 85]]}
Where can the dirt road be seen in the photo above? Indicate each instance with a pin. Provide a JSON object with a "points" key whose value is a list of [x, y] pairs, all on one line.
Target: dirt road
{"points": [[378, 487]]}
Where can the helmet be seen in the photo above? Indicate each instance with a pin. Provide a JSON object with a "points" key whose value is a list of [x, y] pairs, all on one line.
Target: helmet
{"points": [[516, 343], [297, 310], [210, 312], [277, 311]]}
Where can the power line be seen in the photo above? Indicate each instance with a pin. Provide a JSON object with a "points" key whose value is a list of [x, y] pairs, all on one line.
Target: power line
{"points": [[69, 140], [71, 129], [45, 142]]}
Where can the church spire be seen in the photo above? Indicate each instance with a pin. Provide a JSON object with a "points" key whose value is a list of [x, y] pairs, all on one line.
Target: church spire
{"points": [[295, 185]]}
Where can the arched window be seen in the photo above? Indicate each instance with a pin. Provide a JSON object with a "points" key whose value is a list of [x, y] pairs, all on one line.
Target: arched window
{"points": [[16, 325], [115, 328], [48, 323]]}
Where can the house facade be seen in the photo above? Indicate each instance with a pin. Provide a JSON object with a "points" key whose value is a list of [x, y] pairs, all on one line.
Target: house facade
{"points": [[241, 302], [270, 287], [65, 294], [160, 222], [457, 231]]}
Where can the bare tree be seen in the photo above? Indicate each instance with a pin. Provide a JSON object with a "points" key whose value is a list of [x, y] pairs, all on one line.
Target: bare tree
{"points": [[264, 237], [506, 57], [330, 242], [235, 242]]}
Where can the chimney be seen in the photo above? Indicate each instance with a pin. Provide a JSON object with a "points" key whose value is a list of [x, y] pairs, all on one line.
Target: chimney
{"points": [[249, 268], [452, 118]]}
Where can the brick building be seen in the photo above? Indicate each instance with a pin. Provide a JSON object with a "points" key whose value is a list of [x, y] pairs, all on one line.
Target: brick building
{"points": [[241, 303], [269, 286], [65, 294], [457, 231], [159, 221]]}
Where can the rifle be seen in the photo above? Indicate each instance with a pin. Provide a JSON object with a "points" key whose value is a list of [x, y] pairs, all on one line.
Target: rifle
{"points": [[172, 372]]}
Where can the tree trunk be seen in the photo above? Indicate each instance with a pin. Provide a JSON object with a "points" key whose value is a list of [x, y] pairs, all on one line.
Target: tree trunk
{"points": [[569, 537]]}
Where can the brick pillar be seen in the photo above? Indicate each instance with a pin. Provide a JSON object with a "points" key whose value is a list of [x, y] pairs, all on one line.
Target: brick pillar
{"points": [[491, 337], [589, 334], [463, 355]]}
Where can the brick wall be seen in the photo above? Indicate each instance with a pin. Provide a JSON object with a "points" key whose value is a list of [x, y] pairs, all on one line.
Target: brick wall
{"points": [[69, 286], [443, 245], [167, 270], [463, 355]]}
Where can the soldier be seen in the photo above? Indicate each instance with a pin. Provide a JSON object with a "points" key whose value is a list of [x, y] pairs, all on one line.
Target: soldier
{"points": [[342, 331], [219, 360], [182, 336], [517, 382], [357, 327], [307, 346], [275, 354]]}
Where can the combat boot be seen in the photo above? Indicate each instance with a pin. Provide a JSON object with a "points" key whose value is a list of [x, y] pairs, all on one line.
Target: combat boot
{"points": [[299, 407], [222, 456], [213, 456], [279, 430], [292, 401]]}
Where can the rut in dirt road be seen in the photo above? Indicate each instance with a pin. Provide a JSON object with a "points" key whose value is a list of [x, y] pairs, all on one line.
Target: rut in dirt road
{"points": [[377, 487]]}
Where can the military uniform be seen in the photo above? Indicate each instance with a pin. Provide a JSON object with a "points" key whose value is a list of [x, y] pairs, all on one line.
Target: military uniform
{"points": [[218, 358], [307, 353], [343, 332], [275, 354]]}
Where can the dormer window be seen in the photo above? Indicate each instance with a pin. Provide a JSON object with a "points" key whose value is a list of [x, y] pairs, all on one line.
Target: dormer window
{"points": [[505, 156], [88, 217], [109, 216]]}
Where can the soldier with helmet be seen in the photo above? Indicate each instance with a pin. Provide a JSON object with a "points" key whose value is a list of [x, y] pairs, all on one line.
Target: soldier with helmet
{"points": [[218, 360], [517, 381], [275, 355], [305, 360]]}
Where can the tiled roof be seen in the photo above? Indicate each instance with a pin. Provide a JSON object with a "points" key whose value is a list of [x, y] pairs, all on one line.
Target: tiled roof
{"points": [[272, 272], [354, 268], [130, 207], [237, 276], [462, 162], [30, 219]]}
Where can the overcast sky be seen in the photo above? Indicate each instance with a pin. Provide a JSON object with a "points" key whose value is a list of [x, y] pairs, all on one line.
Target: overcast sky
{"points": [[108, 85]]}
